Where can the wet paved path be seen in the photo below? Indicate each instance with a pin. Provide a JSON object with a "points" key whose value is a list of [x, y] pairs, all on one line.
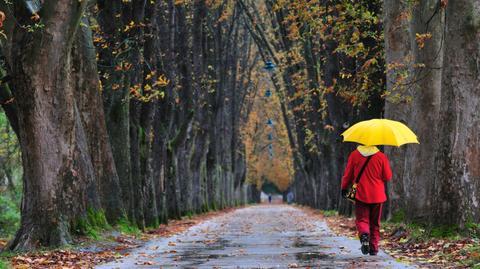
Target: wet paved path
{"points": [[276, 236]]}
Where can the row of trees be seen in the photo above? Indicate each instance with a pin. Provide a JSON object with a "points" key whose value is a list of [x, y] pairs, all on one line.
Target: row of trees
{"points": [[330, 75], [148, 110], [333, 57], [267, 148], [127, 109]]}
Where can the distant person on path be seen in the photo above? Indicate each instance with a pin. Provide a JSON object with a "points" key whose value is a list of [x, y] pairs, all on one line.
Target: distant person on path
{"points": [[370, 193], [290, 197], [270, 198]]}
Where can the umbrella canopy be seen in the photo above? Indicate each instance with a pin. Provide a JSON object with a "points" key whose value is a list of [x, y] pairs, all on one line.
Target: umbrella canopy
{"points": [[380, 132]]}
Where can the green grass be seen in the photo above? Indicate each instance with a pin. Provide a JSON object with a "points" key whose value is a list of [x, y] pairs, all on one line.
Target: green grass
{"points": [[92, 225], [329, 213], [424, 231], [205, 208], [7, 254], [419, 232], [474, 260], [473, 229], [189, 214], [97, 219], [449, 232], [126, 227], [9, 216], [398, 217], [4, 264], [416, 233], [92, 233]]}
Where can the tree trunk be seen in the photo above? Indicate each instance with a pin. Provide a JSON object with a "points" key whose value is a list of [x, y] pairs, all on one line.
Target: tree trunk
{"points": [[93, 119], [200, 95], [116, 105], [458, 181], [149, 109], [412, 164], [57, 168], [397, 50]]}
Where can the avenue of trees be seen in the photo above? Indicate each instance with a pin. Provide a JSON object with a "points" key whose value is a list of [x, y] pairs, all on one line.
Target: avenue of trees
{"points": [[333, 57], [124, 109], [140, 111]]}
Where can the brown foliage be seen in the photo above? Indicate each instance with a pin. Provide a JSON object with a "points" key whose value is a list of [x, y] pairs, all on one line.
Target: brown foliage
{"points": [[260, 167]]}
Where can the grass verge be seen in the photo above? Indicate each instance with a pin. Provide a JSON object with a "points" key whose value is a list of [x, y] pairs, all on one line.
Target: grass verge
{"points": [[4, 264]]}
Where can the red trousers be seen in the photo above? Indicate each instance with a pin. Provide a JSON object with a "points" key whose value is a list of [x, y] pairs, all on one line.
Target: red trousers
{"points": [[368, 222]]}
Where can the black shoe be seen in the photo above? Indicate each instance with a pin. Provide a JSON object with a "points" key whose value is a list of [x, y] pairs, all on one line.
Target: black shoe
{"points": [[372, 253], [365, 241]]}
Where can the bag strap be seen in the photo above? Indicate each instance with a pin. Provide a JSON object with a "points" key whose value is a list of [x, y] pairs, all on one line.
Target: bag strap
{"points": [[363, 168]]}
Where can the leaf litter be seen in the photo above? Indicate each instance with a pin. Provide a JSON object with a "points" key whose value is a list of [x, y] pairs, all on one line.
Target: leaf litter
{"points": [[398, 243], [78, 258]]}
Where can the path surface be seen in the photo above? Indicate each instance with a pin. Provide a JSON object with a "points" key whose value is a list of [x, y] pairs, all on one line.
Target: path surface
{"points": [[276, 236]]}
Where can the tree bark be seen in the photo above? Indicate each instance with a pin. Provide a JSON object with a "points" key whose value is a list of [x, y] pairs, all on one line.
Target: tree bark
{"points": [[412, 164], [116, 105], [397, 50], [90, 105], [458, 180], [57, 168]]}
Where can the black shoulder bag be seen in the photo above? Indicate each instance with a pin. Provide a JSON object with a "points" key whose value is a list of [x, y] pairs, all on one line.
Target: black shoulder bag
{"points": [[353, 191]]}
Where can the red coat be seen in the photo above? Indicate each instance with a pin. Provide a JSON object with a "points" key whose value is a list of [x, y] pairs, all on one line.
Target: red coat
{"points": [[371, 188]]}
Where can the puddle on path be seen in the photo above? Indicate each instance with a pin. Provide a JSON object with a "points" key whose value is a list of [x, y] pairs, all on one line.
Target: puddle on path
{"points": [[298, 242], [196, 252], [312, 256], [195, 256], [270, 242]]}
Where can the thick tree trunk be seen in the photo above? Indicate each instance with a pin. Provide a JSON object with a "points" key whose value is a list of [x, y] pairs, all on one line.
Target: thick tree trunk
{"points": [[135, 75], [458, 181], [93, 119], [200, 95], [148, 112], [57, 167], [419, 164], [116, 105], [412, 164], [185, 97], [136, 132], [118, 125], [397, 50], [163, 116]]}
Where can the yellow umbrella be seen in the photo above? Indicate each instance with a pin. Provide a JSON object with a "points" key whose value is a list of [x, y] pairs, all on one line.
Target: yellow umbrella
{"points": [[380, 132]]}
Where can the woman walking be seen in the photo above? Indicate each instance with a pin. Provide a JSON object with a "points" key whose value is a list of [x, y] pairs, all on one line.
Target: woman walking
{"points": [[369, 169]]}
